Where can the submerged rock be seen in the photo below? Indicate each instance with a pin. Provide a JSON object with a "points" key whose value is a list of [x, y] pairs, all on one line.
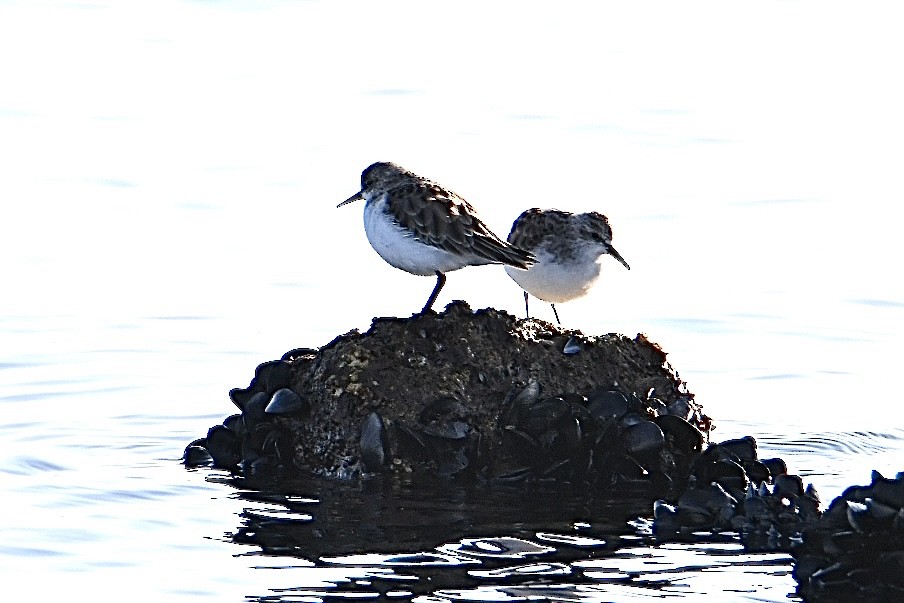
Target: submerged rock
{"points": [[470, 395], [730, 489], [855, 551]]}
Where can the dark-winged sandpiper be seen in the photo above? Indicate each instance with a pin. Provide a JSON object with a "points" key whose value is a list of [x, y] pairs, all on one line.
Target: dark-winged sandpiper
{"points": [[568, 248], [423, 228]]}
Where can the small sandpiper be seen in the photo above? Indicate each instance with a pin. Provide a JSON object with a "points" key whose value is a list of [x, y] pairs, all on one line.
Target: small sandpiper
{"points": [[423, 228], [568, 248]]}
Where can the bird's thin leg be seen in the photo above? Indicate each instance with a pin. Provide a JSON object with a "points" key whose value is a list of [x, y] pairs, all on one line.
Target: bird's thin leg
{"points": [[556, 312], [526, 311], [440, 281]]}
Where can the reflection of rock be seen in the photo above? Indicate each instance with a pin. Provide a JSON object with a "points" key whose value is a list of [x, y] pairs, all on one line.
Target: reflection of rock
{"points": [[471, 395], [855, 552]]}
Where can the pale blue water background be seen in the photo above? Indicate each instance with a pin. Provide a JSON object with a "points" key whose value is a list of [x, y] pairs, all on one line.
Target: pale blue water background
{"points": [[168, 177]]}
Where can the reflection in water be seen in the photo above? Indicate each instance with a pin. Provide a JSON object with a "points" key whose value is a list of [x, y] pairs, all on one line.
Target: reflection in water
{"points": [[441, 541]]}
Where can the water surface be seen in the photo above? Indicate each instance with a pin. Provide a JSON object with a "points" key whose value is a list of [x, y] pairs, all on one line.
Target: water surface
{"points": [[170, 172]]}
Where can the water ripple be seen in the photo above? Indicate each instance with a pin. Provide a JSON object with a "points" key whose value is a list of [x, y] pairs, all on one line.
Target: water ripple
{"points": [[836, 443], [28, 465]]}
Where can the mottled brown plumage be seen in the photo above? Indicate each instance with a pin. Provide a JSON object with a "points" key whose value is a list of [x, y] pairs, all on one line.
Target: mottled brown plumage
{"points": [[567, 247], [423, 228]]}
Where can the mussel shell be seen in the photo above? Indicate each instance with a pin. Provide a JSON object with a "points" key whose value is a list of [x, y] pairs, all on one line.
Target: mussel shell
{"points": [[372, 443], [643, 438], [517, 401], [776, 467], [756, 471], [744, 448], [273, 375], [235, 424], [298, 353], [728, 474], [680, 434], [240, 396], [888, 491], [858, 516], [606, 405], [528, 395], [666, 520], [196, 454], [788, 486], [255, 409], [870, 516], [285, 401], [224, 447], [680, 408], [572, 346]]}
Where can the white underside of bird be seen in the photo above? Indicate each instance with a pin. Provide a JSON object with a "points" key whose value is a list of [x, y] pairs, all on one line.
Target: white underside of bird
{"points": [[399, 247], [556, 281]]}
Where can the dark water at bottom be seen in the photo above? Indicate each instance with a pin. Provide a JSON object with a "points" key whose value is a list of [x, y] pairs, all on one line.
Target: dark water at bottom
{"points": [[440, 541], [445, 542]]}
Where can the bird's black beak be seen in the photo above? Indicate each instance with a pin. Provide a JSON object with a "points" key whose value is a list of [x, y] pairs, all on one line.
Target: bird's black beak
{"points": [[356, 197], [614, 254]]}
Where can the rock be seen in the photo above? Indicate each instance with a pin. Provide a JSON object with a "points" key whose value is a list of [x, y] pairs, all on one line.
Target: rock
{"points": [[472, 395], [730, 489], [855, 550]]}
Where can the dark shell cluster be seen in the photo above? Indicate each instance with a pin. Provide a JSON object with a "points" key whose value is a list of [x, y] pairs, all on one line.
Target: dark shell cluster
{"points": [[260, 438], [855, 551], [642, 447], [731, 489], [605, 438]]}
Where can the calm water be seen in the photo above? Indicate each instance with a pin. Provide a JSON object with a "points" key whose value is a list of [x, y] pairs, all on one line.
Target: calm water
{"points": [[169, 178]]}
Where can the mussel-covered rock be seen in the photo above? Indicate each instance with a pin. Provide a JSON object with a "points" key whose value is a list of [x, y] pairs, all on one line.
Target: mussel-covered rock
{"points": [[855, 550], [730, 488], [469, 395]]}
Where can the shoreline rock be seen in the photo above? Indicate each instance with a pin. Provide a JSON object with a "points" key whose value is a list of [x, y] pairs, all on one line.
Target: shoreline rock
{"points": [[485, 397], [855, 551], [468, 395]]}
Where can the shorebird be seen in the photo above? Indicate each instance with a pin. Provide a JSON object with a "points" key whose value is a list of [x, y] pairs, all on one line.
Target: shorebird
{"points": [[423, 228], [568, 248]]}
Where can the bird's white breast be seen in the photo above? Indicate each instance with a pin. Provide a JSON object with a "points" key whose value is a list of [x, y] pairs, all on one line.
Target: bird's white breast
{"points": [[556, 282], [400, 249]]}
